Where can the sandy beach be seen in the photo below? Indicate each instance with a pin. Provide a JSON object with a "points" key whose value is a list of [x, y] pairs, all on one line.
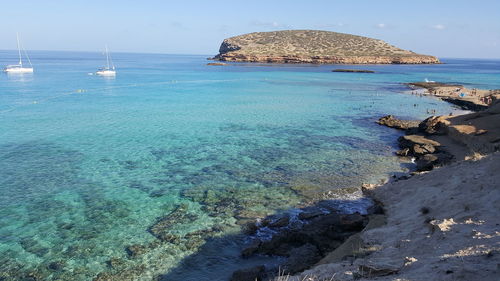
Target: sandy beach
{"points": [[466, 98]]}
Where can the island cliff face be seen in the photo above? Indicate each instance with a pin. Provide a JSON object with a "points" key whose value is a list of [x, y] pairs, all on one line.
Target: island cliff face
{"points": [[315, 46]]}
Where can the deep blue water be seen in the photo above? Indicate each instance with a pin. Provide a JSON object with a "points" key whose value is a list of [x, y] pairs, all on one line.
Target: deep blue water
{"points": [[89, 165]]}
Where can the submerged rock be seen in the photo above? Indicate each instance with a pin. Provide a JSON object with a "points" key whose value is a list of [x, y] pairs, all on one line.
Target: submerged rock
{"points": [[115, 262], [162, 229], [216, 63], [305, 244], [311, 212], [392, 122], [136, 250], [33, 246], [276, 221], [56, 266], [353, 70]]}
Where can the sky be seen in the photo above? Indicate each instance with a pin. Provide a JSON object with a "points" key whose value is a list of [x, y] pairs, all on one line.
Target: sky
{"points": [[444, 28]]}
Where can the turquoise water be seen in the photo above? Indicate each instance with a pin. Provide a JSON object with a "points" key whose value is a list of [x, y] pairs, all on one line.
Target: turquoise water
{"points": [[173, 153]]}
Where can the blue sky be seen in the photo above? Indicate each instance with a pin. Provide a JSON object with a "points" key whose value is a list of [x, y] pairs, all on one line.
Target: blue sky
{"points": [[446, 28]]}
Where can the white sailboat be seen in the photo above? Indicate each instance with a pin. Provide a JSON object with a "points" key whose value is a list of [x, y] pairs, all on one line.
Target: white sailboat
{"points": [[109, 69], [19, 68]]}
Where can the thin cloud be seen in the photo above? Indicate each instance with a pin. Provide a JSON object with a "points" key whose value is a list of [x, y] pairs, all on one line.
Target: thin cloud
{"points": [[438, 27], [331, 25], [224, 28], [272, 24], [381, 25], [177, 25]]}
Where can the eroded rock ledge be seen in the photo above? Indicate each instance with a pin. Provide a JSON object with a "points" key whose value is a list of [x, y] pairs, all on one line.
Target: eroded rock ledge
{"points": [[328, 59]]}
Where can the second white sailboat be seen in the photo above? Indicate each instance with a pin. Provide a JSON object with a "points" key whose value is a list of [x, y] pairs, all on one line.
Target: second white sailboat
{"points": [[19, 68], [109, 69]]}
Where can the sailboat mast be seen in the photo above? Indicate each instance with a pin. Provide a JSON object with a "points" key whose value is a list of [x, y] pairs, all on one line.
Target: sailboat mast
{"points": [[107, 57], [19, 50]]}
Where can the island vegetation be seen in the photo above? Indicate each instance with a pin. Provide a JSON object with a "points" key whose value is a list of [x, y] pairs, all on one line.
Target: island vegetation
{"points": [[315, 46]]}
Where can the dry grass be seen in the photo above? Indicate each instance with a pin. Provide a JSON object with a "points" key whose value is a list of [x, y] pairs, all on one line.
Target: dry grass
{"points": [[314, 42], [282, 276]]}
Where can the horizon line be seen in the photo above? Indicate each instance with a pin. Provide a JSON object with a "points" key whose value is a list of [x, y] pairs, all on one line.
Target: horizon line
{"points": [[114, 52], [194, 54]]}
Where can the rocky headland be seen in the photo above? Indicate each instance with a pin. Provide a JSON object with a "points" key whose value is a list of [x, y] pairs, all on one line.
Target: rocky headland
{"points": [[315, 46]]}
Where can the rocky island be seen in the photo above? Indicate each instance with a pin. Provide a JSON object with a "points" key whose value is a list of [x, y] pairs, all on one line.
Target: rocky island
{"points": [[315, 46]]}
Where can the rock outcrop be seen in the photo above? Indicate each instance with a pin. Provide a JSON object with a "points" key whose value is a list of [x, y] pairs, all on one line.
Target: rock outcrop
{"points": [[216, 63], [353, 70], [315, 46], [392, 122], [302, 240], [438, 140]]}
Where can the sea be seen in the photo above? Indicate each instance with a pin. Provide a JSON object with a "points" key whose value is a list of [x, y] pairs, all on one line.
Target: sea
{"points": [[150, 175]]}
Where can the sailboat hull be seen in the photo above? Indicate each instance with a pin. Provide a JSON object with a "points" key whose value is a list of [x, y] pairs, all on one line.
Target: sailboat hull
{"points": [[18, 69], [106, 73]]}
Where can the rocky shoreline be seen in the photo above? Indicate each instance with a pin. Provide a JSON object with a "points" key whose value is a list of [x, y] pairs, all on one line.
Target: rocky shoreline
{"points": [[319, 237], [459, 147], [302, 238], [440, 225], [426, 152]]}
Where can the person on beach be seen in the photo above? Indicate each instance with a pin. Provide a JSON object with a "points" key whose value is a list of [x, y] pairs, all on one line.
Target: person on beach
{"points": [[488, 100]]}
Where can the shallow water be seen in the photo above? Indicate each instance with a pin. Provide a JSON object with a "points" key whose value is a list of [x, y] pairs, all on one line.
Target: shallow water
{"points": [[172, 152]]}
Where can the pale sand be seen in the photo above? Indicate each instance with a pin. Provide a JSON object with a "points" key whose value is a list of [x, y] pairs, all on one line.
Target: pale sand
{"points": [[458, 239]]}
